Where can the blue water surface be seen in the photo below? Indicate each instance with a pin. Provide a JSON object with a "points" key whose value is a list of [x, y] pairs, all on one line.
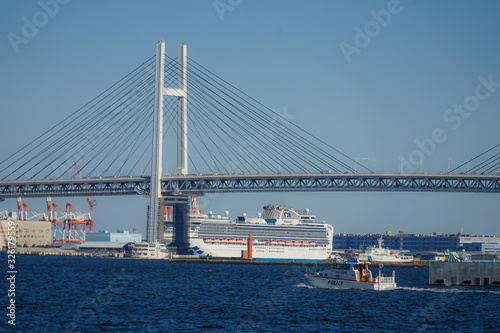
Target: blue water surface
{"points": [[79, 294]]}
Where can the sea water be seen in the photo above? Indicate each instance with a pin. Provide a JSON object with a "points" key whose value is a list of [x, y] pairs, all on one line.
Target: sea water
{"points": [[81, 294]]}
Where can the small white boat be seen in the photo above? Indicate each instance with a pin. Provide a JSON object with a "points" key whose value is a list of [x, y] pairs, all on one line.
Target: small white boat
{"points": [[150, 251], [351, 275], [382, 255]]}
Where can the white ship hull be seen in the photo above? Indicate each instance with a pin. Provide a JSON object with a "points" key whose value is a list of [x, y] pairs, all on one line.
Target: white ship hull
{"points": [[330, 283], [383, 259], [261, 251]]}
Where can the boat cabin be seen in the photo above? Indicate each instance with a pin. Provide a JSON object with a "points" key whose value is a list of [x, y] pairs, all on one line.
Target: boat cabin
{"points": [[350, 270]]}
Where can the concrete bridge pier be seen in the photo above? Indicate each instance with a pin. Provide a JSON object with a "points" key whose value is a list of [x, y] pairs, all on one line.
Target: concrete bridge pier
{"points": [[155, 222], [181, 220], [181, 208]]}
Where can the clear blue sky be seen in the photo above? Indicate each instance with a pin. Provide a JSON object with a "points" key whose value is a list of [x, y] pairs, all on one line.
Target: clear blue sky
{"points": [[371, 94]]}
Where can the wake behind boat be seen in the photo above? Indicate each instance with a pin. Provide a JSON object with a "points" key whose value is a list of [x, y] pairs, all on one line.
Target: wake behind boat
{"points": [[351, 275]]}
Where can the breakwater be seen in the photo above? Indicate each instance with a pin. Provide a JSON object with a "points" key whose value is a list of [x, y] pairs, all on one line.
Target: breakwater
{"points": [[465, 273]]}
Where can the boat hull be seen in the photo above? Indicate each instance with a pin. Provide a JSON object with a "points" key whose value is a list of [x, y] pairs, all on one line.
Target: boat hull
{"points": [[330, 283], [386, 261]]}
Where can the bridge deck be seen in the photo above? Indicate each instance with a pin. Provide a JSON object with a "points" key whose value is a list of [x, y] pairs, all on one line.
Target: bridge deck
{"points": [[224, 183]]}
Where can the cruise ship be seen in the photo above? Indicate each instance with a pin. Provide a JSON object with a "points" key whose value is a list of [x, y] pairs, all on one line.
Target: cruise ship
{"points": [[279, 233]]}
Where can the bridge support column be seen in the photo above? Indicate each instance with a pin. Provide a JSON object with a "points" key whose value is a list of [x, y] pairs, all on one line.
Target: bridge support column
{"points": [[180, 204], [155, 209], [182, 116], [156, 224], [182, 138], [181, 221]]}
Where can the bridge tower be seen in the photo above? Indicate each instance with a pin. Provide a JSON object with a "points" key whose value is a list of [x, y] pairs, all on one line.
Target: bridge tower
{"points": [[180, 202]]}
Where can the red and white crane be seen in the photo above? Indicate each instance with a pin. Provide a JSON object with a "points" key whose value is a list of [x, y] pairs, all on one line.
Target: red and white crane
{"points": [[92, 203], [23, 209]]}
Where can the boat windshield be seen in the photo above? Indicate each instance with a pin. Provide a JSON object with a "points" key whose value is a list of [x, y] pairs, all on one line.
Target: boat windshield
{"points": [[341, 266]]}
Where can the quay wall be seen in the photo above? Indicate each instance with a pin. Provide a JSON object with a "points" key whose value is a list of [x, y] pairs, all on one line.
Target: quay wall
{"points": [[54, 251], [465, 273]]}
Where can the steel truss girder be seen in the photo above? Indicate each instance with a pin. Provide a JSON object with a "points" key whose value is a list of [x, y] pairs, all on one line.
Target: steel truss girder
{"points": [[74, 187], [183, 185], [334, 182]]}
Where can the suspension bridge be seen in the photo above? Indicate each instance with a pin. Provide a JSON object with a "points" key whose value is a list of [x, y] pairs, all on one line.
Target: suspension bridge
{"points": [[236, 144]]}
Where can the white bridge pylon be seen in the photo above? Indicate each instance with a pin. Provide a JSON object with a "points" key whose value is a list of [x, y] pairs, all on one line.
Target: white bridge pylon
{"points": [[155, 217]]}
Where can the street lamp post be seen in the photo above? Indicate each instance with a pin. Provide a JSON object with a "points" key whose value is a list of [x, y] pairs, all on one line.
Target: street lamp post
{"points": [[374, 163]]}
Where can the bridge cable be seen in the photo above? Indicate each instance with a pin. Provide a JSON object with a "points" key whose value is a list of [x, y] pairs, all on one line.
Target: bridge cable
{"points": [[109, 119], [73, 114], [284, 146], [474, 158], [113, 90], [260, 116], [204, 105], [277, 114], [59, 138]]}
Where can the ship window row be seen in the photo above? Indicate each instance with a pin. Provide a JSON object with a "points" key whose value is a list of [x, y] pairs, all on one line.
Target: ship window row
{"points": [[264, 228], [267, 226], [266, 236], [262, 234], [284, 232]]}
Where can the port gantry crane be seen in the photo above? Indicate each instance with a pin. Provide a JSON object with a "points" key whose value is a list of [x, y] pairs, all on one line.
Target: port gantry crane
{"points": [[92, 203], [71, 227]]}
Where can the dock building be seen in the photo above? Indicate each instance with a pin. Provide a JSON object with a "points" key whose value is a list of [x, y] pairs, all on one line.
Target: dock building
{"points": [[118, 236], [414, 243], [27, 233], [112, 249]]}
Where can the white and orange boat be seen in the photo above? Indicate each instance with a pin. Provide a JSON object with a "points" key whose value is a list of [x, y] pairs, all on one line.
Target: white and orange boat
{"points": [[382, 255]]}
